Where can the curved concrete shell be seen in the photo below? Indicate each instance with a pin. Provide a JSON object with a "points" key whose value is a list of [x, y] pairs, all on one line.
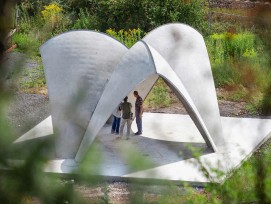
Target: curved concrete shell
{"points": [[135, 67], [140, 64], [185, 51], [88, 74], [77, 66]]}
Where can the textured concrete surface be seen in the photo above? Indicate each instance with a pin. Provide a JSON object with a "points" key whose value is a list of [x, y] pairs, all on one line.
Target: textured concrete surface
{"points": [[89, 73], [185, 51], [136, 67], [43, 129], [172, 79], [77, 66], [168, 154]]}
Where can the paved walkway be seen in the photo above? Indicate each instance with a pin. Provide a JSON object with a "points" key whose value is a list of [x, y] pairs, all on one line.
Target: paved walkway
{"points": [[164, 149]]}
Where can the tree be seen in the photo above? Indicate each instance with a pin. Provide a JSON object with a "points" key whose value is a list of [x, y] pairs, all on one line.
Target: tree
{"points": [[148, 14]]}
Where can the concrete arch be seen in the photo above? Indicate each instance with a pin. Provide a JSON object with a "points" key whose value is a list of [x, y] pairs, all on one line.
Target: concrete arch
{"points": [[139, 64], [135, 67], [76, 73], [184, 50], [100, 71]]}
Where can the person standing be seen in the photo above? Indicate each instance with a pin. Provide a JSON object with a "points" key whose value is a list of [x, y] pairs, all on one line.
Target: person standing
{"points": [[126, 117], [138, 112], [116, 121]]}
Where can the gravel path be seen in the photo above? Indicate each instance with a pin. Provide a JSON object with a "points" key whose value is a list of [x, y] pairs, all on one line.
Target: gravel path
{"points": [[26, 111]]}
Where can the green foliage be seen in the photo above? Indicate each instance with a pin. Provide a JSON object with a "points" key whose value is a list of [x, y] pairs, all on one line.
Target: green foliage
{"points": [[147, 14], [32, 7], [253, 176], [125, 14], [159, 95], [27, 43], [25, 21], [85, 20], [22, 41], [32, 78], [24, 180], [43, 20], [227, 46], [188, 12], [54, 19], [240, 65], [223, 74], [265, 103], [51, 13], [244, 82], [129, 37], [48, 18]]}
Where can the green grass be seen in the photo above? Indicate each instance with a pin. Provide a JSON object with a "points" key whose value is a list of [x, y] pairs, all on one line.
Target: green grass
{"points": [[253, 176], [32, 78], [27, 43], [240, 65], [159, 96]]}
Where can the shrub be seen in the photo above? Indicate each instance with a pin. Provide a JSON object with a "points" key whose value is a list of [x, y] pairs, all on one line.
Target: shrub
{"points": [[25, 21], [148, 14], [127, 37], [230, 45], [27, 43], [52, 13], [56, 21], [85, 20], [223, 74], [21, 40]]}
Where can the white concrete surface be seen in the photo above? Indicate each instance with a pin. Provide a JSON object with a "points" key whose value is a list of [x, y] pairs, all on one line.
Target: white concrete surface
{"points": [[184, 50], [175, 129], [43, 129], [77, 67], [164, 143], [167, 73], [135, 67], [140, 64], [89, 73], [244, 135]]}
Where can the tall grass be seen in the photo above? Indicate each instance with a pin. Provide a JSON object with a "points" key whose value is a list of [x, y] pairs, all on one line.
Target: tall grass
{"points": [[240, 65], [228, 45]]}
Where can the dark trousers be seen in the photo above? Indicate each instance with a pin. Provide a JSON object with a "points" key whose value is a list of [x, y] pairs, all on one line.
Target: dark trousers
{"points": [[138, 122], [115, 125]]}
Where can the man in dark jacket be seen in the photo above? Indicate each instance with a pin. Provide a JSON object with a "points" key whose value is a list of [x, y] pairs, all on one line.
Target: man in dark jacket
{"points": [[138, 112]]}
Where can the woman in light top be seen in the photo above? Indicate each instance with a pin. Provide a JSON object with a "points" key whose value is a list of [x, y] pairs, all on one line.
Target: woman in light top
{"points": [[116, 121]]}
